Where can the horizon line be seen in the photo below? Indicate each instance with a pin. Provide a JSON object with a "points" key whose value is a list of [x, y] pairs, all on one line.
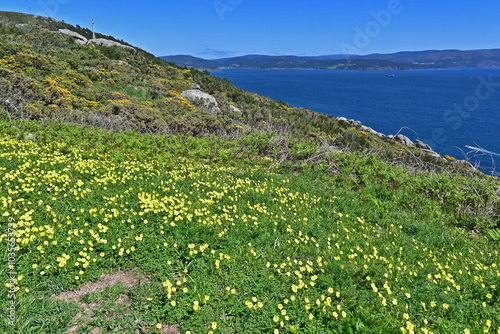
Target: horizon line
{"points": [[332, 54]]}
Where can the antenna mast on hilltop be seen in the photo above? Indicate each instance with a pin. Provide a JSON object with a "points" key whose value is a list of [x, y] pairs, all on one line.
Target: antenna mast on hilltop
{"points": [[93, 29]]}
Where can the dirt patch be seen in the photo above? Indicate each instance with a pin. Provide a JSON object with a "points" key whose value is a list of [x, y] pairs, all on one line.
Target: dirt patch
{"points": [[123, 300], [127, 278], [166, 329]]}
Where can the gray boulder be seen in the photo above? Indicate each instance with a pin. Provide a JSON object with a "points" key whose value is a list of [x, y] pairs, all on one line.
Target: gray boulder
{"points": [[196, 86], [367, 129], [202, 100], [432, 153], [363, 127], [353, 122], [107, 43], [403, 140], [74, 34], [422, 145]]}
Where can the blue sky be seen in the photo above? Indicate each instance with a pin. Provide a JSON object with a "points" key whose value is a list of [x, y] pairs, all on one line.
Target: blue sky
{"points": [[223, 28]]}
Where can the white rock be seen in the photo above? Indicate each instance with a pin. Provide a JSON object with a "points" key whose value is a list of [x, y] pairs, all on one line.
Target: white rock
{"points": [[107, 43], [120, 62], [201, 99], [233, 108], [72, 33]]}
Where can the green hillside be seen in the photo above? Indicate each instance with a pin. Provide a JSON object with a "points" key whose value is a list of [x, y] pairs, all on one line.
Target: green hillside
{"points": [[128, 208]]}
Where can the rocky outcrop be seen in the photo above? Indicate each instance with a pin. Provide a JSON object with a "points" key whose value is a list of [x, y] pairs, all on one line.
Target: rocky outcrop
{"points": [[196, 86], [107, 43], [431, 152], [76, 35], [403, 140], [363, 127], [79, 39], [201, 100], [399, 137], [422, 145], [368, 129]]}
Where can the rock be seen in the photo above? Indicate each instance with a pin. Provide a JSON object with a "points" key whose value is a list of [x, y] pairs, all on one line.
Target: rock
{"points": [[431, 152], [30, 136], [368, 129], [363, 127], [403, 140], [233, 108], [422, 145], [108, 43], [74, 34], [202, 100], [120, 62], [196, 86]]}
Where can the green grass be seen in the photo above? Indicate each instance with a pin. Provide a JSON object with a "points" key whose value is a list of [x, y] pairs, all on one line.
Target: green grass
{"points": [[258, 246]]}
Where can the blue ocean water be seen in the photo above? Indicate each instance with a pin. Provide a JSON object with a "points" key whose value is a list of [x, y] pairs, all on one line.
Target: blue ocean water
{"points": [[448, 109]]}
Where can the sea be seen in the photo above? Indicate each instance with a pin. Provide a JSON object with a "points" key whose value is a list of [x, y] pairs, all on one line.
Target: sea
{"points": [[455, 111]]}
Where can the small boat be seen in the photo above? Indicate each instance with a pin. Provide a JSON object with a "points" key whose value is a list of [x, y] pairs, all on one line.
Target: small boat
{"points": [[390, 75]]}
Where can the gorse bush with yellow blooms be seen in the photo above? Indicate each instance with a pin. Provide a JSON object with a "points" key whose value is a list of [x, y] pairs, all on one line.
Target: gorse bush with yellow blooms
{"points": [[229, 246]]}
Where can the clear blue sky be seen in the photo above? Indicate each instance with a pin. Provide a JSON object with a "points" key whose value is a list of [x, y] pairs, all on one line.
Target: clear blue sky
{"points": [[222, 28]]}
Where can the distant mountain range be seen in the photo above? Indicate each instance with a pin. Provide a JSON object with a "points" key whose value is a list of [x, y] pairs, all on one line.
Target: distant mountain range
{"points": [[395, 61]]}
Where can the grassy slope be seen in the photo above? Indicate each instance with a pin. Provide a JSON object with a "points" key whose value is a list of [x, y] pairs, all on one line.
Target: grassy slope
{"points": [[376, 247], [117, 206]]}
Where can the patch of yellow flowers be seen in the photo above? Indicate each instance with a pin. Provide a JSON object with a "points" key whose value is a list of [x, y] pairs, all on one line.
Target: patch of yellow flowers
{"points": [[52, 197]]}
